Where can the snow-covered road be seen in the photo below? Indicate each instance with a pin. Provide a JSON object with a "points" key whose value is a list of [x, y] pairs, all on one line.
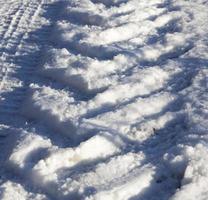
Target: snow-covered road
{"points": [[103, 100]]}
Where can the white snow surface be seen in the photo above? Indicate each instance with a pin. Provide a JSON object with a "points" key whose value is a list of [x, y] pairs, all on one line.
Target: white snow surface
{"points": [[103, 100]]}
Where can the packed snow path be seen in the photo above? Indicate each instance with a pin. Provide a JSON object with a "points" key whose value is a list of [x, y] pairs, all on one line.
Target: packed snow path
{"points": [[103, 100]]}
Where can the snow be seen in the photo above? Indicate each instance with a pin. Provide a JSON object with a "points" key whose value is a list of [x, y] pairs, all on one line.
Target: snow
{"points": [[129, 189], [103, 100], [46, 169], [14, 191], [195, 176], [22, 156]]}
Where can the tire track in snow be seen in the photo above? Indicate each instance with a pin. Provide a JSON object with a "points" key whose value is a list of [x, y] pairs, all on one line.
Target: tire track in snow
{"points": [[7, 37], [24, 39], [14, 44], [49, 101], [127, 128]]}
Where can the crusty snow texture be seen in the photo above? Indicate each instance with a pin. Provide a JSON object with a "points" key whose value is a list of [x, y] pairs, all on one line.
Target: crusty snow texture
{"points": [[103, 100]]}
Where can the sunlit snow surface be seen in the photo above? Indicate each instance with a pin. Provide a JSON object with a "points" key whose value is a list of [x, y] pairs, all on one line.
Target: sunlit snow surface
{"points": [[103, 100]]}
